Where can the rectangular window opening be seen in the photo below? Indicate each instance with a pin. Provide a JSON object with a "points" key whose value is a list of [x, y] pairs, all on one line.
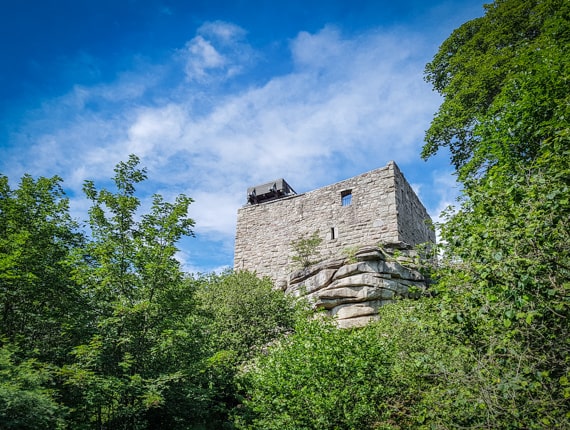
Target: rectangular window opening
{"points": [[346, 198]]}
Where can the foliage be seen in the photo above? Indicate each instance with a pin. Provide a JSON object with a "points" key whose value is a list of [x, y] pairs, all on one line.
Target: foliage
{"points": [[317, 378], [241, 315], [305, 250], [25, 403], [350, 253], [504, 79], [244, 313], [40, 304], [143, 347], [505, 278], [129, 340], [372, 377]]}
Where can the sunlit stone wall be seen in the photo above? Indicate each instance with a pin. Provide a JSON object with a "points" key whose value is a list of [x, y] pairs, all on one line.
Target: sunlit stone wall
{"points": [[379, 207]]}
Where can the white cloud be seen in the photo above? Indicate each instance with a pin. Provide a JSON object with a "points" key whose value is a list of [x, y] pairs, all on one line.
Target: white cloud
{"points": [[319, 50], [202, 57], [153, 126], [215, 212], [218, 52], [225, 32]]}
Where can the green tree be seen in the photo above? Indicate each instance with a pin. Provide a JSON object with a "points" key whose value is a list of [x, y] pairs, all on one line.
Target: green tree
{"points": [[322, 377], [305, 250], [244, 312], [505, 276], [241, 315], [41, 307], [507, 279], [136, 369], [318, 378], [25, 402], [504, 80]]}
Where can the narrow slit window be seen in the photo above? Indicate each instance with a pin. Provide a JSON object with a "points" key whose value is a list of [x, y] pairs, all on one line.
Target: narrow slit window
{"points": [[346, 198], [333, 236]]}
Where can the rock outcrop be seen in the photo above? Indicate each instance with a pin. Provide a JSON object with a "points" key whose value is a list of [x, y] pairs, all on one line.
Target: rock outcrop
{"points": [[354, 288]]}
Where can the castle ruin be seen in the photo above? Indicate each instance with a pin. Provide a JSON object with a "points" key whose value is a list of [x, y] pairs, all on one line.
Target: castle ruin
{"points": [[367, 227], [377, 207]]}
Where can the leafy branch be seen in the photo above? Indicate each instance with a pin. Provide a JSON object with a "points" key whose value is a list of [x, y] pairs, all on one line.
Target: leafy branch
{"points": [[305, 250]]}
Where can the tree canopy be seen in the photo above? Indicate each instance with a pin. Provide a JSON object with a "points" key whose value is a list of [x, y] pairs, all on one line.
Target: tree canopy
{"points": [[506, 268], [106, 330], [504, 82]]}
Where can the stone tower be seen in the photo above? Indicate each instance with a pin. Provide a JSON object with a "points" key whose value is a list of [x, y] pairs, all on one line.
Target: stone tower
{"points": [[377, 207]]}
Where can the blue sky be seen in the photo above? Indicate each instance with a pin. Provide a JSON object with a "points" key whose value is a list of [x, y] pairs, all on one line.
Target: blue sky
{"points": [[215, 96]]}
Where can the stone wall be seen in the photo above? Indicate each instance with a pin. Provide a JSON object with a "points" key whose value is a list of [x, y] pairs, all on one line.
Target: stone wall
{"points": [[383, 209], [414, 223]]}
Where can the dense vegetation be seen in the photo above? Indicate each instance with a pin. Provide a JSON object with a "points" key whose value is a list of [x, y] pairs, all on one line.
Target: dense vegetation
{"points": [[104, 330]]}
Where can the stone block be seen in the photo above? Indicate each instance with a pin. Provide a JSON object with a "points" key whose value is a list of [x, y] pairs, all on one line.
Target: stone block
{"points": [[353, 310], [357, 268], [399, 271]]}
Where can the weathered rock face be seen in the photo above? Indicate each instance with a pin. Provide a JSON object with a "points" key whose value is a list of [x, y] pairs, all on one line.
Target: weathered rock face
{"points": [[353, 289]]}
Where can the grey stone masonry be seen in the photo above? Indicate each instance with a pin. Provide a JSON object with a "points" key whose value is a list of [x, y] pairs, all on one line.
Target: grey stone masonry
{"points": [[375, 207]]}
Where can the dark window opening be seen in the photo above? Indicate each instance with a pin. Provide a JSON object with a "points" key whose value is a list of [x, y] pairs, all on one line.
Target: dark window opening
{"points": [[346, 197], [332, 233]]}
